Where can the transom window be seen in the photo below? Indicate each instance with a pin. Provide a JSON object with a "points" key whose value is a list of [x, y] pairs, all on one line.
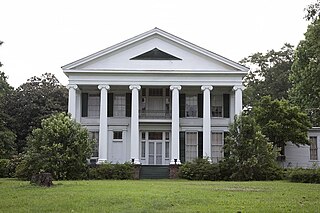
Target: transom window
{"points": [[216, 106], [155, 135], [191, 145], [119, 106], [191, 106], [216, 146], [155, 92], [313, 148]]}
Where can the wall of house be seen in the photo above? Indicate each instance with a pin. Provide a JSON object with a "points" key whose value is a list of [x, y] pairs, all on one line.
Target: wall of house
{"points": [[300, 156]]}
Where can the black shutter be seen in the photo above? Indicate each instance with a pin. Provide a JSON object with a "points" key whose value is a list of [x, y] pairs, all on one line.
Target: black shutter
{"points": [[225, 134], [110, 105], [226, 105], [182, 105], [84, 104], [200, 105], [128, 104], [182, 147], [200, 144]]}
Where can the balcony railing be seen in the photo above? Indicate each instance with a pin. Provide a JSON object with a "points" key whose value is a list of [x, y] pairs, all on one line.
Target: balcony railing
{"points": [[155, 114]]}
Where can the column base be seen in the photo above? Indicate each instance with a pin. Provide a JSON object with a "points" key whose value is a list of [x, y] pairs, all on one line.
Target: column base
{"points": [[207, 158], [101, 161], [173, 162]]}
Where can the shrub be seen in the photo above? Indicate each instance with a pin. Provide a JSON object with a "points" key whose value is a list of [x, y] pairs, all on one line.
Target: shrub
{"points": [[199, 169], [111, 171], [4, 168], [60, 147], [304, 175]]}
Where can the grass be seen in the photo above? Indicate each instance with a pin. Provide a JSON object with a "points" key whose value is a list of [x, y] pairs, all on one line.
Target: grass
{"points": [[159, 196]]}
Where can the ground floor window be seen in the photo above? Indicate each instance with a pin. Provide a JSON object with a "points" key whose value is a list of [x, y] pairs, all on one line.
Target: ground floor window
{"points": [[95, 136], [216, 146], [313, 148], [191, 147]]}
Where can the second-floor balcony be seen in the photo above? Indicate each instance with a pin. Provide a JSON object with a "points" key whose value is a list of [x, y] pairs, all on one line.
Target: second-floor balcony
{"points": [[154, 114]]}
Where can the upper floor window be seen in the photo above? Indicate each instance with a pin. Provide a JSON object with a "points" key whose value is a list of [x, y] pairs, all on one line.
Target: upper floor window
{"points": [[119, 106], [93, 105], [117, 136], [191, 106], [313, 148], [217, 106]]}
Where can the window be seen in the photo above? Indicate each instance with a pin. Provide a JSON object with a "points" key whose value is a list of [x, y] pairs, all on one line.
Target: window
{"points": [[155, 92], [216, 106], [93, 105], [155, 135], [167, 146], [313, 148], [216, 147], [191, 145], [95, 136], [191, 106], [143, 145], [119, 106], [117, 136]]}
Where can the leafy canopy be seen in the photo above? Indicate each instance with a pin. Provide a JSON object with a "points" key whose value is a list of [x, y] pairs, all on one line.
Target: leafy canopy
{"points": [[281, 122], [61, 146]]}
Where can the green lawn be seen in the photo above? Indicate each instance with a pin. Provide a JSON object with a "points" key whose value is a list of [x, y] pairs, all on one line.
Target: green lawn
{"points": [[159, 196]]}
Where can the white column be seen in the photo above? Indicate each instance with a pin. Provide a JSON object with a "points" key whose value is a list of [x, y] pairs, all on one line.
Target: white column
{"points": [[103, 129], [72, 101], [238, 99], [78, 105], [206, 122], [135, 123], [175, 125]]}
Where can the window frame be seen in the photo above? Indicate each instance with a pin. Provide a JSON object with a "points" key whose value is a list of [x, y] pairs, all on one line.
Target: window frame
{"points": [[313, 149], [193, 104]]}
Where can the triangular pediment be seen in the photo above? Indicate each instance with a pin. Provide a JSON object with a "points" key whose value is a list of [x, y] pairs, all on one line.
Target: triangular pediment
{"points": [[155, 54], [156, 50]]}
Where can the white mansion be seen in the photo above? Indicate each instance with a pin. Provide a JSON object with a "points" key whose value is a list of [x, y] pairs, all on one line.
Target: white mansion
{"points": [[155, 99]]}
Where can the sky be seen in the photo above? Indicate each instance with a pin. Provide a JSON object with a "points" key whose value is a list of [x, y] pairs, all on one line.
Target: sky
{"points": [[41, 36]]}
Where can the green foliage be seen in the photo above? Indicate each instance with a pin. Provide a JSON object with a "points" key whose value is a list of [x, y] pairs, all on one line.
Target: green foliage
{"points": [[269, 75], [4, 168], [61, 146], [251, 156], [313, 11], [305, 175], [305, 75], [111, 171], [7, 144], [199, 169], [33, 101], [281, 122]]}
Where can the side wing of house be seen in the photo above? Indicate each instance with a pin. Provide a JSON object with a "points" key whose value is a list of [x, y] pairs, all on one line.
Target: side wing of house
{"points": [[155, 99]]}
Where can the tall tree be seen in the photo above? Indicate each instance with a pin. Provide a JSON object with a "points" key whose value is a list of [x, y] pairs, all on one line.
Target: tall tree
{"points": [[281, 122], [305, 75], [34, 100], [269, 74]]}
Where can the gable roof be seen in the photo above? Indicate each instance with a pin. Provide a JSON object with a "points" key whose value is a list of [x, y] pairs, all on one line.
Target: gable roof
{"points": [[162, 33]]}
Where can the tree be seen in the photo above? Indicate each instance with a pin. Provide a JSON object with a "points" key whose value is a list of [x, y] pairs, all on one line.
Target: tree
{"points": [[281, 122], [61, 147], [34, 100], [249, 155], [269, 74], [7, 137], [313, 11], [305, 75]]}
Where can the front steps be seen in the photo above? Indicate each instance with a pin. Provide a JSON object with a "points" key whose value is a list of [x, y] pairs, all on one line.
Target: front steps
{"points": [[154, 172]]}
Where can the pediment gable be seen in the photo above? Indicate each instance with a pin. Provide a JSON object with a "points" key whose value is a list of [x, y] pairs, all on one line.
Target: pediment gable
{"points": [[155, 50]]}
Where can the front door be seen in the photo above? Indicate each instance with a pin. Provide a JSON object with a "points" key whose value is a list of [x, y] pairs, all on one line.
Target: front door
{"points": [[155, 153]]}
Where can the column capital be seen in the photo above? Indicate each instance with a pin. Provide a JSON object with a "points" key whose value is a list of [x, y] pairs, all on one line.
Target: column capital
{"points": [[205, 87], [173, 87], [131, 87], [236, 87], [72, 86], [103, 86]]}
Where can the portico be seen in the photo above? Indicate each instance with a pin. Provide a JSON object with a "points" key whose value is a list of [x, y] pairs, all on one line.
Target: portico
{"points": [[155, 99]]}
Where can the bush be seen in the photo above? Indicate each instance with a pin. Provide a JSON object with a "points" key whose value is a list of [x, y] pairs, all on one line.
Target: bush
{"points": [[4, 168], [111, 171], [199, 169], [304, 175], [60, 147]]}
